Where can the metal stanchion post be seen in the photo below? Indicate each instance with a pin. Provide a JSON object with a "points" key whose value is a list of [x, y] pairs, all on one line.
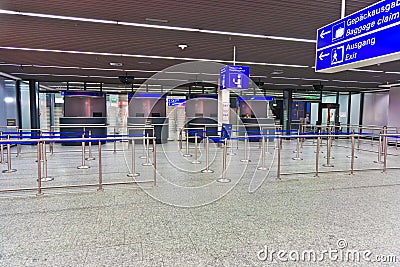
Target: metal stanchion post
{"points": [[352, 156], [278, 175], [195, 161], [207, 170], [51, 143], [385, 145], [246, 159], [379, 149], [297, 148], [186, 155], [9, 169], [148, 163], [328, 153], [90, 157], [317, 157], [262, 167], [154, 163], [231, 153], [100, 169], [1, 149], [397, 132], [115, 141], [223, 178], [352, 153], [45, 178], [133, 173], [83, 166], [143, 156], [180, 139], [19, 145], [39, 167]]}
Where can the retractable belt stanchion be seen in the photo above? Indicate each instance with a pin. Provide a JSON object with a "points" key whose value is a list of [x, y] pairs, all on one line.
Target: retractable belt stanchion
{"points": [[133, 173], [1, 149], [207, 170], [100, 188], [262, 167], [148, 163], [180, 139], [352, 156], [83, 166], [9, 169], [385, 145], [278, 174], [45, 178], [195, 161], [143, 156], [90, 157], [115, 141], [328, 153], [52, 143], [223, 178], [39, 169], [246, 159], [297, 148], [230, 153], [379, 149], [154, 163], [19, 145], [186, 155], [352, 153], [317, 157], [397, 133]]}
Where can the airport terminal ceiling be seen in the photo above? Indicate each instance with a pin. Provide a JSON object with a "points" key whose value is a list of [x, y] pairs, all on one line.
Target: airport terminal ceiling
{"points": [[59, 41]]}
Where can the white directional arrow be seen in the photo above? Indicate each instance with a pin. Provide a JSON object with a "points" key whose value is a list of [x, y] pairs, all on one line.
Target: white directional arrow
{"points": [[322, 56], [322, 35]]}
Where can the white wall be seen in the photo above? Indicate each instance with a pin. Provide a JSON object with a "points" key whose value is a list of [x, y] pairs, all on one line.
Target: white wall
{"points": [[394, 107], [375, 109]]}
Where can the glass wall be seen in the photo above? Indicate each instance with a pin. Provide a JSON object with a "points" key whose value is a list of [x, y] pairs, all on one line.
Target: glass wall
{"points": [[355, 109], [8, 101]]}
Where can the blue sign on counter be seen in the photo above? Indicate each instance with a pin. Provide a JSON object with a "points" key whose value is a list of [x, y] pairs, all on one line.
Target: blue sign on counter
{"points": [[369, 36], [234, 77], [176, 102]]}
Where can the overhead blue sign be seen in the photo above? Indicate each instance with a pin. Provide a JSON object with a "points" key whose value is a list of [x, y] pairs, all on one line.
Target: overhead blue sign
{"points": [[369, 36], [234, 77], [176, 102]]}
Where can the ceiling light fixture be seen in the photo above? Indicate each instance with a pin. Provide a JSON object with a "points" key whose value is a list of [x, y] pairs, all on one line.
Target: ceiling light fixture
{"points": [[146, 56], [156, 20], [183, 46], [389, 85], [133, 24], [373, 71], [116, 64]]}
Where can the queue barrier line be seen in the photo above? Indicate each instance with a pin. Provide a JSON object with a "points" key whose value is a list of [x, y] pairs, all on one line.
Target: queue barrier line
{"points": [[40, 143]]}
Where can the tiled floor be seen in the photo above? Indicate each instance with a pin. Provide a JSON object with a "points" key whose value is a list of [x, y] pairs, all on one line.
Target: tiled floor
{"points": [[189, 219]]}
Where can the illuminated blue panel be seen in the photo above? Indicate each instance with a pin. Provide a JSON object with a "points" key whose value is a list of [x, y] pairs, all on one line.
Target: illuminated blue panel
{"points": [[367, 37]]}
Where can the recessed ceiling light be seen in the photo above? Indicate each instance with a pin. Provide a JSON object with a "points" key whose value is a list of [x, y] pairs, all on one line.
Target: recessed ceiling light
{"points": [[277, 72], [182, 46], [116, 64], [144, 62]]}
